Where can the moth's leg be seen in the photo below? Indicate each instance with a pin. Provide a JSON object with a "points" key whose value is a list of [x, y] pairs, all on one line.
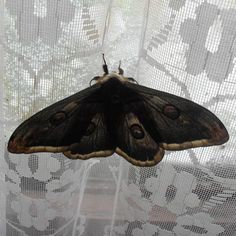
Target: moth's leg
{"points": [[96, 78], [132, 80]]}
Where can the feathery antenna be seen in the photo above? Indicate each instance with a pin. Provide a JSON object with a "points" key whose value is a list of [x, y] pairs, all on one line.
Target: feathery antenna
{"points": [[121, 71], [104, 66]]}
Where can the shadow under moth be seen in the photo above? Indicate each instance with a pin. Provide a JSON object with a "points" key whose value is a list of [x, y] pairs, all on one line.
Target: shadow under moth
{"points": [[117, 115]]}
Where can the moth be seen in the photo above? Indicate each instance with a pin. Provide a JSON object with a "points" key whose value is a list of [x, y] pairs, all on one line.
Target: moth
{"points": [[116, 115]]}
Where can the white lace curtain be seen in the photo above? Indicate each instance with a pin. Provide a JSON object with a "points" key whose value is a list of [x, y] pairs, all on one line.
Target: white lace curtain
{"points": [[51, 49]]}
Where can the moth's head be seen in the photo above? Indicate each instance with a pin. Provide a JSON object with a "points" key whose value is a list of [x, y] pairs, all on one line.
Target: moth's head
{"points": [[119, 75]]}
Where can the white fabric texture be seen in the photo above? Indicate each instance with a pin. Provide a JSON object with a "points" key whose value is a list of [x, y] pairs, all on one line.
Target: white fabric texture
{"points": [[51, 49]]}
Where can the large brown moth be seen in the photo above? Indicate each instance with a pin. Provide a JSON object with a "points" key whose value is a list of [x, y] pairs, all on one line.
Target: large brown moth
{"points": [[117, 115]]}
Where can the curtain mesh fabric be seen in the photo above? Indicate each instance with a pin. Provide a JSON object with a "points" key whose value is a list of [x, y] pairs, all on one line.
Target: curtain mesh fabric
{"points": [[51, 49]]}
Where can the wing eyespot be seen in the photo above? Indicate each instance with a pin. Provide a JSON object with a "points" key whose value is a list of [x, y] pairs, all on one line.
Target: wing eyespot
{"points": [[58, 118], [137, 131], [90, 129], [171, 111]]}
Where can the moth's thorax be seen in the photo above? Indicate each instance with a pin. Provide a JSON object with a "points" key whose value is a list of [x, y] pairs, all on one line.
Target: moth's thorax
{"points": [[113, 91], [113, 75]]}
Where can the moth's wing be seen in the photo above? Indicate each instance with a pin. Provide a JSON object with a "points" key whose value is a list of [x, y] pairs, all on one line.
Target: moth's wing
{"points": [[75, 126], [173, 122], [96, 142], [134, 142]]}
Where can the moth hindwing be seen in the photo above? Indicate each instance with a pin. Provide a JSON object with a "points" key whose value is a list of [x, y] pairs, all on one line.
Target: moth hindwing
{"points": [[117, 115]]}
